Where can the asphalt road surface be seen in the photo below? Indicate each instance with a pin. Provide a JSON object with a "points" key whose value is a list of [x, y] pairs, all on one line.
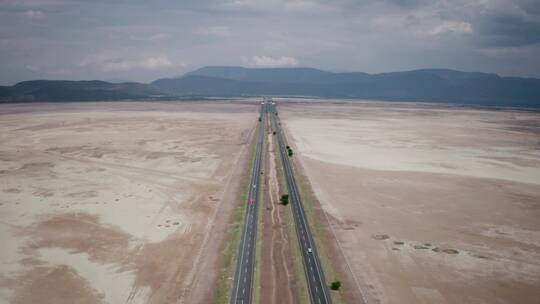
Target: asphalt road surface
{"points": [[243, 278], [318, 290]]}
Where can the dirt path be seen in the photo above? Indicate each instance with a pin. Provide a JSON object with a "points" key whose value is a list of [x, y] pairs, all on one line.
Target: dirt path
{"points": [[276, 266]]}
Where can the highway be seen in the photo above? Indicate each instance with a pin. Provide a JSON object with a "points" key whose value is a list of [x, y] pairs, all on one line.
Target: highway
{"points": [[318, 290], [245, 264]]}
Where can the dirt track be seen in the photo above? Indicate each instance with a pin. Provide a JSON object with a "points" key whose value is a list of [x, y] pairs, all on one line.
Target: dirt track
{"points": [[278, 278]]}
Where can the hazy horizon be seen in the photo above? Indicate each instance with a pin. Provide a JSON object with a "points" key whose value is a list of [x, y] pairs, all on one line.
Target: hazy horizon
{"points": [[119, 80]]}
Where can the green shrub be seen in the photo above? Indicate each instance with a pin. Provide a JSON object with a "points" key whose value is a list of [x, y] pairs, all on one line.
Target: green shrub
{"points": [[284, 199], [336, 285]]}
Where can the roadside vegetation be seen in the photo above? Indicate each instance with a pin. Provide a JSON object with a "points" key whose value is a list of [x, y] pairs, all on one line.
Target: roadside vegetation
{"points": [[336, 285], [301, 287], [284, 199], [289, 151], [319, 234], [317, 229], [234, 234], [258, 243]]}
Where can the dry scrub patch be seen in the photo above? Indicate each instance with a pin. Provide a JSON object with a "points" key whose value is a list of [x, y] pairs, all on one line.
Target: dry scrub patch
{"points": [[116, 202], [430, 204]]}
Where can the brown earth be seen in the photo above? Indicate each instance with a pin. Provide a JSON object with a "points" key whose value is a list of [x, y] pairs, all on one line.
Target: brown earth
{"points": [[428, 204], [117, 202], [277, 271]]}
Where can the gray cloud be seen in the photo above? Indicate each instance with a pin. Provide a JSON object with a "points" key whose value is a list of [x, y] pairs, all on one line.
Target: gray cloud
{"points": [[504, 30], [530, 6], [144, 40], [269, 62]]}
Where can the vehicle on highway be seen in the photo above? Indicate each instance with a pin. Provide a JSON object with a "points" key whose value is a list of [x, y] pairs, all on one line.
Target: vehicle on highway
{"points": [[312, 266], [245, 260]]}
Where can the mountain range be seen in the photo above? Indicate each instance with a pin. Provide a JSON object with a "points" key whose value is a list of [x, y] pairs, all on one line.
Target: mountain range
{"points": [[427, 85], [66, 90]]}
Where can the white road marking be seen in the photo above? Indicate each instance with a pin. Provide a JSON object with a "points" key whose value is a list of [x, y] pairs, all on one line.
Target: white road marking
{"points": [[299, 215]]}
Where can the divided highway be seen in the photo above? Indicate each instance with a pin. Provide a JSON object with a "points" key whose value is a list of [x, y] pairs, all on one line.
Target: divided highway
{"points": [[314, 273], [245, 264]]}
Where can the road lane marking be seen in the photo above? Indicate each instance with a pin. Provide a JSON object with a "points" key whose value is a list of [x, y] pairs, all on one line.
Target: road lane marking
{"points": [[299, 216], [249, 215]]}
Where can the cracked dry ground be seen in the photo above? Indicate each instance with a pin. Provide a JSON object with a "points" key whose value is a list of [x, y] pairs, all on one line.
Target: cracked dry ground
{"points": [[117, 202], [428, 203]]}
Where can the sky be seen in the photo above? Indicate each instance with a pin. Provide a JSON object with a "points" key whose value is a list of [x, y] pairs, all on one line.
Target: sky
{"points": [[143, 40]]}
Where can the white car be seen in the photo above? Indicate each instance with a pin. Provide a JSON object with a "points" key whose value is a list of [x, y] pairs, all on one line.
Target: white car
{"points": [[309, 250]]}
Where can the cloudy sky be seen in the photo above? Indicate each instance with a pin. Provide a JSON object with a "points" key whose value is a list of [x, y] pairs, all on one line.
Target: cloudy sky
{"points": [[142, 40]]}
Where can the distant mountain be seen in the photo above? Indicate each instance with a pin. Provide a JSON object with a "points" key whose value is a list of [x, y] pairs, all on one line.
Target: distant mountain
{"points": [[276, 75], [433, 85], [116, 80], [64, 90], [428, 85]]}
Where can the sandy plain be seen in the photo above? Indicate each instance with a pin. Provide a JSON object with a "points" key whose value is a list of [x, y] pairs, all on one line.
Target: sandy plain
{"points": [[428, 204], [117, 202]]}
